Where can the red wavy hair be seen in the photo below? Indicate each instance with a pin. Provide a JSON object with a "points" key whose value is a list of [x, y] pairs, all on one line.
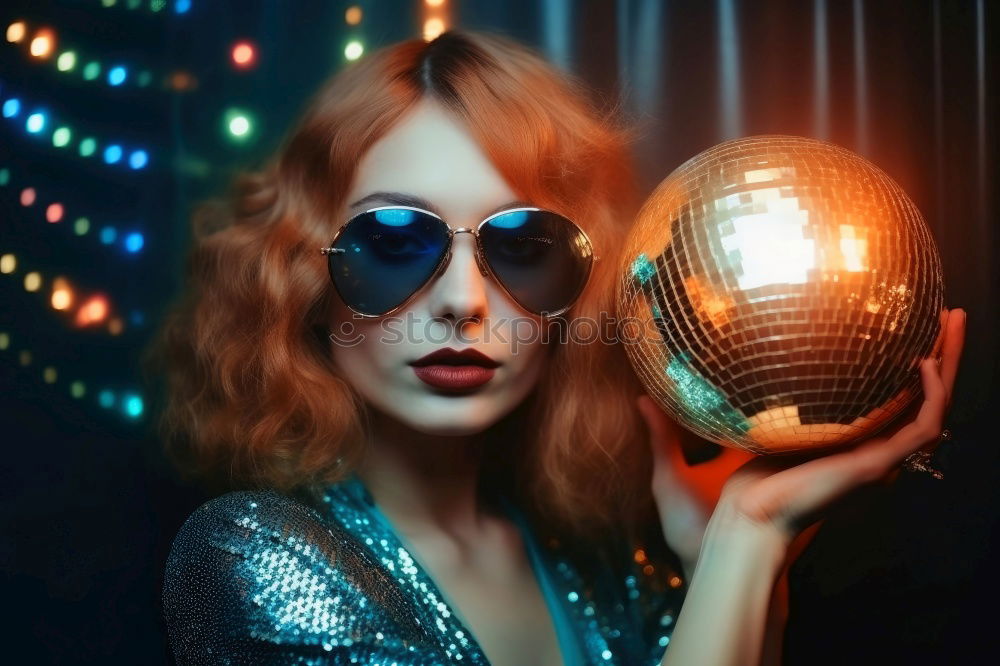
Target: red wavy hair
{"points": [[251, 395]]}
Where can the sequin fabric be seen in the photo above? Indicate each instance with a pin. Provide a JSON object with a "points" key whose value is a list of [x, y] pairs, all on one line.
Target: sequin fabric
{"points": [[263, 577]]}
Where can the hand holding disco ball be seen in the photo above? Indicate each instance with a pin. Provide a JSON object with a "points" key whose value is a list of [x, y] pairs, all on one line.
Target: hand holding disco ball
{"points": [[780, 295]]}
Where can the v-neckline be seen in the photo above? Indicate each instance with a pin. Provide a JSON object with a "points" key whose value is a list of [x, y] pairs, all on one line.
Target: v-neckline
{"points": [[570, 650]]}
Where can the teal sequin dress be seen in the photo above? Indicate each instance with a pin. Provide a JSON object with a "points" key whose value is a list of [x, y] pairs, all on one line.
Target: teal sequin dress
{"points": [[263, 577]]}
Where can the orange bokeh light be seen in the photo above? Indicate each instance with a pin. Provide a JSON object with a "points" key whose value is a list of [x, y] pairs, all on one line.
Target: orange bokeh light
{"points": [[54, 212], [244, 54], [93, 311], [43, 44]]}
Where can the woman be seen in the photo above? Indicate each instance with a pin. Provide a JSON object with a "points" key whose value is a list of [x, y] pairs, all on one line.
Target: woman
{"points": [[401, 509]]}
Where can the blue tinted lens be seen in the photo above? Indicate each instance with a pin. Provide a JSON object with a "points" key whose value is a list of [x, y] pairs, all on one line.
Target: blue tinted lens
{"points": [[542, 258], [388, 255]]}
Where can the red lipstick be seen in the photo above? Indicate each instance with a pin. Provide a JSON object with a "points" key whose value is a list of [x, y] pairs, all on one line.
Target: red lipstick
{"points": [[452, 370]]}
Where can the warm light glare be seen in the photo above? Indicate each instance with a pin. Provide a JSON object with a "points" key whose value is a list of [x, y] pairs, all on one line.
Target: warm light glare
{"points": [[243, 54], [434, 3], [93, 311], [353, 50], [41, 45], [54, 212], [353, 15], [16, 31], [432, 28], [32, 281], [62, 295], [8, 263]]}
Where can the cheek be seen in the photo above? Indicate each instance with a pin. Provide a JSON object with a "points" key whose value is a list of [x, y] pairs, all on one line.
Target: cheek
{"points": [[356, 349]]}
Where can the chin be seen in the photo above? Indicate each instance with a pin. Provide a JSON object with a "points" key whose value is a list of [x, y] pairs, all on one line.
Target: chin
{"points": [[450, 425], [460, 417]]}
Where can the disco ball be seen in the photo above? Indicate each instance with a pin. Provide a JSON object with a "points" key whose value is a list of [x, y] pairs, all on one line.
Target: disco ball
{"points": [[778, 293]]}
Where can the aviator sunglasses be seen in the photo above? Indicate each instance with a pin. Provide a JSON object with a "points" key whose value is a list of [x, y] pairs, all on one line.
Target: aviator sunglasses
{"points": [[380, 258]]}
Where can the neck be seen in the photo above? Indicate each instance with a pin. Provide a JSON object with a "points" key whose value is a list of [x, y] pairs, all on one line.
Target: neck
{"points": [[424, 483]]}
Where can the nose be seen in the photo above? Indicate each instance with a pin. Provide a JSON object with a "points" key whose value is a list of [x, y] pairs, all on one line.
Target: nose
{"points": [[459, 292]]}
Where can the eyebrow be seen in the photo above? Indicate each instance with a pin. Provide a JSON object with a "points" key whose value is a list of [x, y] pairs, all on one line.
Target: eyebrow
{"points": [[401, 199]]}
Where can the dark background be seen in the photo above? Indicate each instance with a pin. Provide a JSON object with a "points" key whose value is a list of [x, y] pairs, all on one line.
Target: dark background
{"points": [[904, 574]]}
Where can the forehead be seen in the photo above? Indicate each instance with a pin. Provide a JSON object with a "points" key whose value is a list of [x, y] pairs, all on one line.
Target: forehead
{"points": [[430, 154]]}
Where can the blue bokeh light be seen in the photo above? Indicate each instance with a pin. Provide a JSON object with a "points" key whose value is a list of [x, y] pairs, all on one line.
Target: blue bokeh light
{"points": [[11, 107], [112, 153], [36, 122], [116, 75], [138, 159], [134, 241]]}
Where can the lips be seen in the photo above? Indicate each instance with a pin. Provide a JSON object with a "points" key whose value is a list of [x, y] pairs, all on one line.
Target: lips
{"points": [[449, 356], [455, 371]]}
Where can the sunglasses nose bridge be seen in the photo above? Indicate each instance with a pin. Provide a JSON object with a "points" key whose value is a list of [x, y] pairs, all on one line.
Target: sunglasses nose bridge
{"points": [[479, 256]]}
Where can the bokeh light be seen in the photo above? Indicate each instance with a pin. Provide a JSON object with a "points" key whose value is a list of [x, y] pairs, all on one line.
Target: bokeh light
{"points": [[133, 406], [11, 107], [138, 159], [54, 212], [8, 263], [66, 61], [36, 122], [244, 55], [28, 195], [353, 50], [116, 75], [43, 44], [62, 294], [112, 154], [16, 32], [32, 281], [61, 137], [239, 124], [353, 15], [134, 241], [93, 311], [106, 398], [87, 147], [433, 27]]}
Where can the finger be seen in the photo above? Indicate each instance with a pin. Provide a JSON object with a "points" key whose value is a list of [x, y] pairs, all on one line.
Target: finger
{"points": [[657, 432], [951, 352], [883, 456], [942, 332]]}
